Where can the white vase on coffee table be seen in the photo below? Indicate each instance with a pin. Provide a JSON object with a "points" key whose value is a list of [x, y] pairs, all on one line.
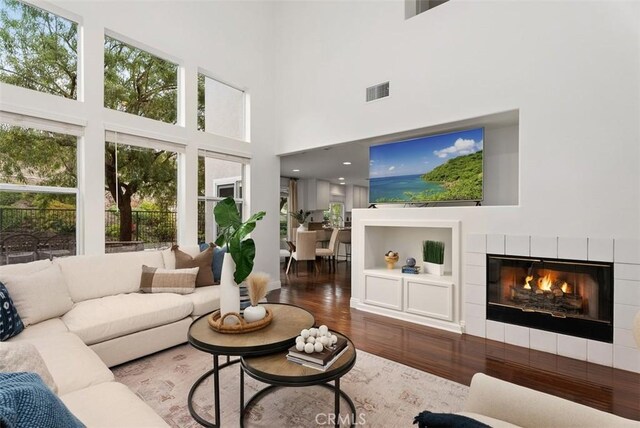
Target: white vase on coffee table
{"points": [[229, 290]]}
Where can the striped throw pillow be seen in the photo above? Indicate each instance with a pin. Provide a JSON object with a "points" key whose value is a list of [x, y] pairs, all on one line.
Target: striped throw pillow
{"points": [[159, 280]]}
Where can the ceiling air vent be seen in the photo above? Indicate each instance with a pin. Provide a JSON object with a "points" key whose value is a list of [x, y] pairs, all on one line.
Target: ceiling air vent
{"points": [[378, 91]]}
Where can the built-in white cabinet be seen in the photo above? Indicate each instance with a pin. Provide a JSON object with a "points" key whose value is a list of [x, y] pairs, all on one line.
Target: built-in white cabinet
{"points": [[356, 197], [420, 298], [418, 294], [314, 194]]}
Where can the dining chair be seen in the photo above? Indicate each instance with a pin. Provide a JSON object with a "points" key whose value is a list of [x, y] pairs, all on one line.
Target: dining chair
{"points": [[19, 248], [58, 246], [331, 251], [344, 237], [305, 249]]}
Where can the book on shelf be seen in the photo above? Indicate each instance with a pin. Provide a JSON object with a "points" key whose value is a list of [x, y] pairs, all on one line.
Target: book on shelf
{"points": [[320, 367], [321, 358], [410, 269]]}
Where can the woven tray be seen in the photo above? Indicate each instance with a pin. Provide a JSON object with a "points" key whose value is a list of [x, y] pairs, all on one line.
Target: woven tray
{"points": [[217, 323]]}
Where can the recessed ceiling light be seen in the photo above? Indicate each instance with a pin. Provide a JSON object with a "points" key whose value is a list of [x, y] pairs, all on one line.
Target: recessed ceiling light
{"points": [[346, 163], [341, 178], [295, 170], [343, 183]]}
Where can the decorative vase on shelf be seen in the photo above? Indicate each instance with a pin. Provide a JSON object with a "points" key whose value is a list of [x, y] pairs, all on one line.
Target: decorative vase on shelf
{"points": [[303, 227], [229, 290], [391, 258], [433, 268]]}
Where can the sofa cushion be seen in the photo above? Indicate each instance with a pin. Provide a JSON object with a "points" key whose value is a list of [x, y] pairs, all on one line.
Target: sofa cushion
{"points": [[159, 280], [44, 328], [169, 257], [202, 260], [24, 357], [90, 277], [24, 268], [204, 299], [493, 423], [25, 401], [10, 322], [40, 295], [111, 405], [97, 320], [218, 258], [72, 364]]}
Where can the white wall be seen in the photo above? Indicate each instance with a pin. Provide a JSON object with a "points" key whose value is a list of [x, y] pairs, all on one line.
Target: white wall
{"points": [[232, 41], [571, 68]]}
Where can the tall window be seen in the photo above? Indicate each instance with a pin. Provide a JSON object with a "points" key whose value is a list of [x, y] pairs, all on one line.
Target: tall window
{"points": [[38, 188], [139, 83], [221, 108], [38, 50], [140, 193], [335, 214], [219, 176]]}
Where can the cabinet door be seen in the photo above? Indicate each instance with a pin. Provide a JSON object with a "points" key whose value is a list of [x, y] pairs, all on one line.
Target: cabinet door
{"points": [[433, 300], [323, 195], [382, 291]]}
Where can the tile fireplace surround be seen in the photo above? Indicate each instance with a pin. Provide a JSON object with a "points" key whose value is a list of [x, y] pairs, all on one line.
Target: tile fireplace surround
{"points": [[625, 255]]}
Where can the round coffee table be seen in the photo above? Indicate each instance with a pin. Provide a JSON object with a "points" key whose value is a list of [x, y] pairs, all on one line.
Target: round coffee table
{"points": [[287, 322], [275, 370]]}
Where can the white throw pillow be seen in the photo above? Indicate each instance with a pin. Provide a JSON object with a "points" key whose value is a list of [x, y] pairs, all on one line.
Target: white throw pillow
{"points": [[38, 296], [24, 357]]}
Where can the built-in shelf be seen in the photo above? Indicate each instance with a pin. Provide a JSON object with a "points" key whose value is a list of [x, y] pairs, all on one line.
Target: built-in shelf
{"points": [[421, 298]]}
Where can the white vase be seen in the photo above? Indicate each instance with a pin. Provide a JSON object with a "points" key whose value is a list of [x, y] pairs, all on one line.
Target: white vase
{"points": [[229, 290], [254, 313], [303, 227], [433, 268]]}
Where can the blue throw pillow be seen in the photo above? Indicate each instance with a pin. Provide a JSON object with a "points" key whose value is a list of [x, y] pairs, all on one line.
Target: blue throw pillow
{"points": [[216, 262], [25, 401], [10, 322]]}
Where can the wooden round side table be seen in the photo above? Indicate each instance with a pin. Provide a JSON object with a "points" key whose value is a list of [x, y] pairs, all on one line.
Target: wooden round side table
{"points": [[278, 336], [275, 370]]}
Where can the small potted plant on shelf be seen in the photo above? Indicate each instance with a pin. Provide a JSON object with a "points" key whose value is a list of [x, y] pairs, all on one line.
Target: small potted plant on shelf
{"points": [[433, 257], [301, 216]]}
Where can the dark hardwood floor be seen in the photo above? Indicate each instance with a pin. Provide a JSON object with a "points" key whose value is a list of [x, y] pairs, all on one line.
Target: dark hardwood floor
{"points": [[457, 357]]}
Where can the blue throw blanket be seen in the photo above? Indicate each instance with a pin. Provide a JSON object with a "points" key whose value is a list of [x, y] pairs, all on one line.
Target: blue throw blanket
{"points": [[25, 401]]}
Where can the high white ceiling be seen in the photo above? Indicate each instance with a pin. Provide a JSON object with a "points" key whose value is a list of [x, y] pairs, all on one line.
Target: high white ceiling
{"points": [[326, 164]]}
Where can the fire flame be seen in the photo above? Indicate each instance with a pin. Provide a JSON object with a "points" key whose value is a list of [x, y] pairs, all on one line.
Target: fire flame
{"points": [[527, 286], [545, 282]]}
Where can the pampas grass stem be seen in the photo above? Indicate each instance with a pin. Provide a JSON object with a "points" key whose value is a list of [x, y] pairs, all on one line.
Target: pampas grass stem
{"points": [[257, 284]]}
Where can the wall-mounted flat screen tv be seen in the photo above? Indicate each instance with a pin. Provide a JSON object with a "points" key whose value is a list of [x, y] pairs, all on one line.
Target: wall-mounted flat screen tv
{"points": [[434, 168]]}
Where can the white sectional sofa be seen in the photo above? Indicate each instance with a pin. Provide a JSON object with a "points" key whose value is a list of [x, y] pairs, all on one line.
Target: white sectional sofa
{"points": [[108, 322]]}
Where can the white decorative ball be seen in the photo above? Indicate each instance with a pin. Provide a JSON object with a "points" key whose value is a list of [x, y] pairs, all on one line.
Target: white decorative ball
{"points": [[300, 339], [323, 330], [308, 348], [304, 333], [311, 339], [324, 340], [318, 347], [300, 346], [313, 332], [334, 338]]}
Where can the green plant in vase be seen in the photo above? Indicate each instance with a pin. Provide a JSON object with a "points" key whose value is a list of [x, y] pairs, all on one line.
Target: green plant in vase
{"points": [[301, 216], [233, 233], [433, 257]]}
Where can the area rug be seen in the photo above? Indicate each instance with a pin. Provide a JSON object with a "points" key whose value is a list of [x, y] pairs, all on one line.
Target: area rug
{"points": [[385, 393]]}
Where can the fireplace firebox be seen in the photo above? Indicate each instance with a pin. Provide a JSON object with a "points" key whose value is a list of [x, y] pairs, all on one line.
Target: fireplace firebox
{"points": [[563, 296]]}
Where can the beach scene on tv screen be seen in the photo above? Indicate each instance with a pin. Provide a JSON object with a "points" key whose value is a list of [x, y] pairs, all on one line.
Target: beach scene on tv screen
{"points": [[446, 167]]}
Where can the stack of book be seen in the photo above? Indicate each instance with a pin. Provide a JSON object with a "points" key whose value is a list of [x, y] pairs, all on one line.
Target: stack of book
{"points": [[410, 269], [319, 360]]}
